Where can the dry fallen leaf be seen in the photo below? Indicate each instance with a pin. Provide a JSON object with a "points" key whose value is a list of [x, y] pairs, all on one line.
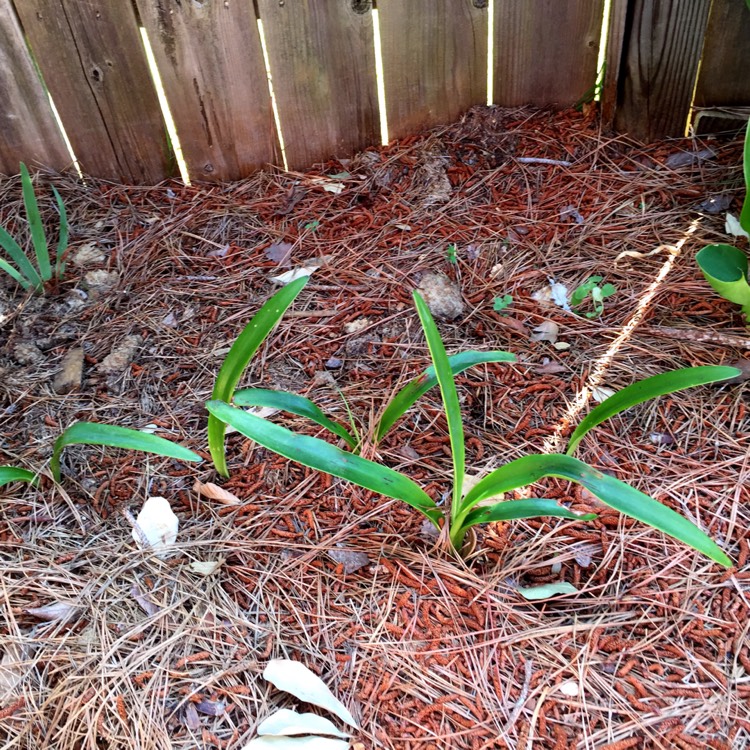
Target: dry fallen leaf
{"points": [[546, 590], [569, 688], [207, 567], [157, 526], [279, 252], [12, 670], [296, 743], [349, 558], [214, 492], [295, 678], [296, 273], [148, 606], [601, 393], [53, 611], [546, 331], [284, 723], [550, 368]]}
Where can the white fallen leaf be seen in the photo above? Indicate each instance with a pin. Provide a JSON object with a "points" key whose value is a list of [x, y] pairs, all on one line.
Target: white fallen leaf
{"points": [[295, 678], [546, 331], [732, 226], [296, 743], [12, 670], [150, 429], [601, 393], [561, 346], [53, 611], [285, 722], [404, 227], [157, 526], [296, 273], [214, 492], [569, 688], [543, 296], [559, 294], [546, 590], [207, 567]]}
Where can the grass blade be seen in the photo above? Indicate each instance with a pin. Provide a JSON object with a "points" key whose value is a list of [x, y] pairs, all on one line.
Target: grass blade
{"points": [[417, 387], [238, 358], [322, 456], [18, 256], [92, 433], [535, 507], [13, 273], [14, 474], [618, 495], [745, 213], [645, 390], [450, 399], [35, 225], [62, 242], [294, 404]]}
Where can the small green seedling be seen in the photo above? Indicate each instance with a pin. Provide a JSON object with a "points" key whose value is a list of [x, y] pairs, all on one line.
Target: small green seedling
{"points": [[451, 254], [468, 509], [725, 267], [598, 295], [501, 303], [24, 272], [91, 433]]}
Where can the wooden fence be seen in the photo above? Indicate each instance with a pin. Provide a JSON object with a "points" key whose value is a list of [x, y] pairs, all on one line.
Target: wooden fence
{"points": [[89, 55]]}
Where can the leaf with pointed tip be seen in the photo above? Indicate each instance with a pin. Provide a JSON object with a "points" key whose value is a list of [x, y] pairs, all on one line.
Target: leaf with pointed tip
{"points": [[238, 358], [294, 404], [320, 455], [535, 507], [35, 225], [612, 492], [546, 590], [725, 268], [92, 433], [14, 474], [417, 387], [62, 242], [645, 390]]}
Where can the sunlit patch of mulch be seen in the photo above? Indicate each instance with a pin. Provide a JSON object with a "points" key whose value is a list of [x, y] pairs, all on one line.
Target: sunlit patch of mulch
{"points": [[428, 652]]}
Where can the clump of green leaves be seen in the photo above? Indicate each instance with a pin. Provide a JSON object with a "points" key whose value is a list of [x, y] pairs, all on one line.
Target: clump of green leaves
{"points": [[501, 303], [725, 267], [22, 268], [470, 508], [597, 293], [451, 254]]}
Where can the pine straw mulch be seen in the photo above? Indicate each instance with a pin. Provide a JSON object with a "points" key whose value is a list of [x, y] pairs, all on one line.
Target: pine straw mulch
{"points": [[428, 652]]}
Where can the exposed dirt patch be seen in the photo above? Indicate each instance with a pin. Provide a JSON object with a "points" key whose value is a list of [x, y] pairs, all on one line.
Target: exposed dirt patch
{"points": [[427, 652]]}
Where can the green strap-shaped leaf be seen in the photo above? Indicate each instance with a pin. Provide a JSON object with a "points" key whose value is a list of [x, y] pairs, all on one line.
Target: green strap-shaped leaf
{"points": [[417, 387], [618, 495], [745, 213], [725, 269], [645, 390], [35, 225], [62, 243], [535, 507], [450, 399], [322, 456], [238, 358], [92, 433], [13, 273], [14, 474], [18, 256], [294, 404]]}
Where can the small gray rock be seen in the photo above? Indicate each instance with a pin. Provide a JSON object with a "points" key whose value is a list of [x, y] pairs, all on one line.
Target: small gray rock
{"points": [[100, 282], [71, 372], [442, 296], [121, 356], [27, 353]]}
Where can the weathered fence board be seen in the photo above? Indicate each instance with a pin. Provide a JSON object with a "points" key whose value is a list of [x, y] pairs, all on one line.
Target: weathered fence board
{"points": [[27, 125], [434, 61], [662, 50], [724, 77], [545, 51], [92, 60], [322, 60], [618, 17], [210, 61]]}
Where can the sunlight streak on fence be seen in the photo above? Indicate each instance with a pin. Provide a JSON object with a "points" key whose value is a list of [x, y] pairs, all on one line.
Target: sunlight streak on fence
{"points": [[274, 107], [379, 77]]}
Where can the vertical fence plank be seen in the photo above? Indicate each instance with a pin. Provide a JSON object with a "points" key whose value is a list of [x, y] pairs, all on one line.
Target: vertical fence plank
{"points": [[92, 60], [322, 61], [618, 16], [724, 78], [434, 61], [545, 51], [662, 50], [28, 131], [211, 64]]}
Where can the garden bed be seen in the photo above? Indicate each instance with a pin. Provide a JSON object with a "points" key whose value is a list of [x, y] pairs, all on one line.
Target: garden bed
{"points": [[426, 651]]}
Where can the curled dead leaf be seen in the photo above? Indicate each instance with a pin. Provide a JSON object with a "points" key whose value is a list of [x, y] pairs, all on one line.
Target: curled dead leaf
{"points": [[214, 492]]}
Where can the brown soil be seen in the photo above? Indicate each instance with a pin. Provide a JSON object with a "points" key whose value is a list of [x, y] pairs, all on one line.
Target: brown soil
{"points": [[427, 651]]}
